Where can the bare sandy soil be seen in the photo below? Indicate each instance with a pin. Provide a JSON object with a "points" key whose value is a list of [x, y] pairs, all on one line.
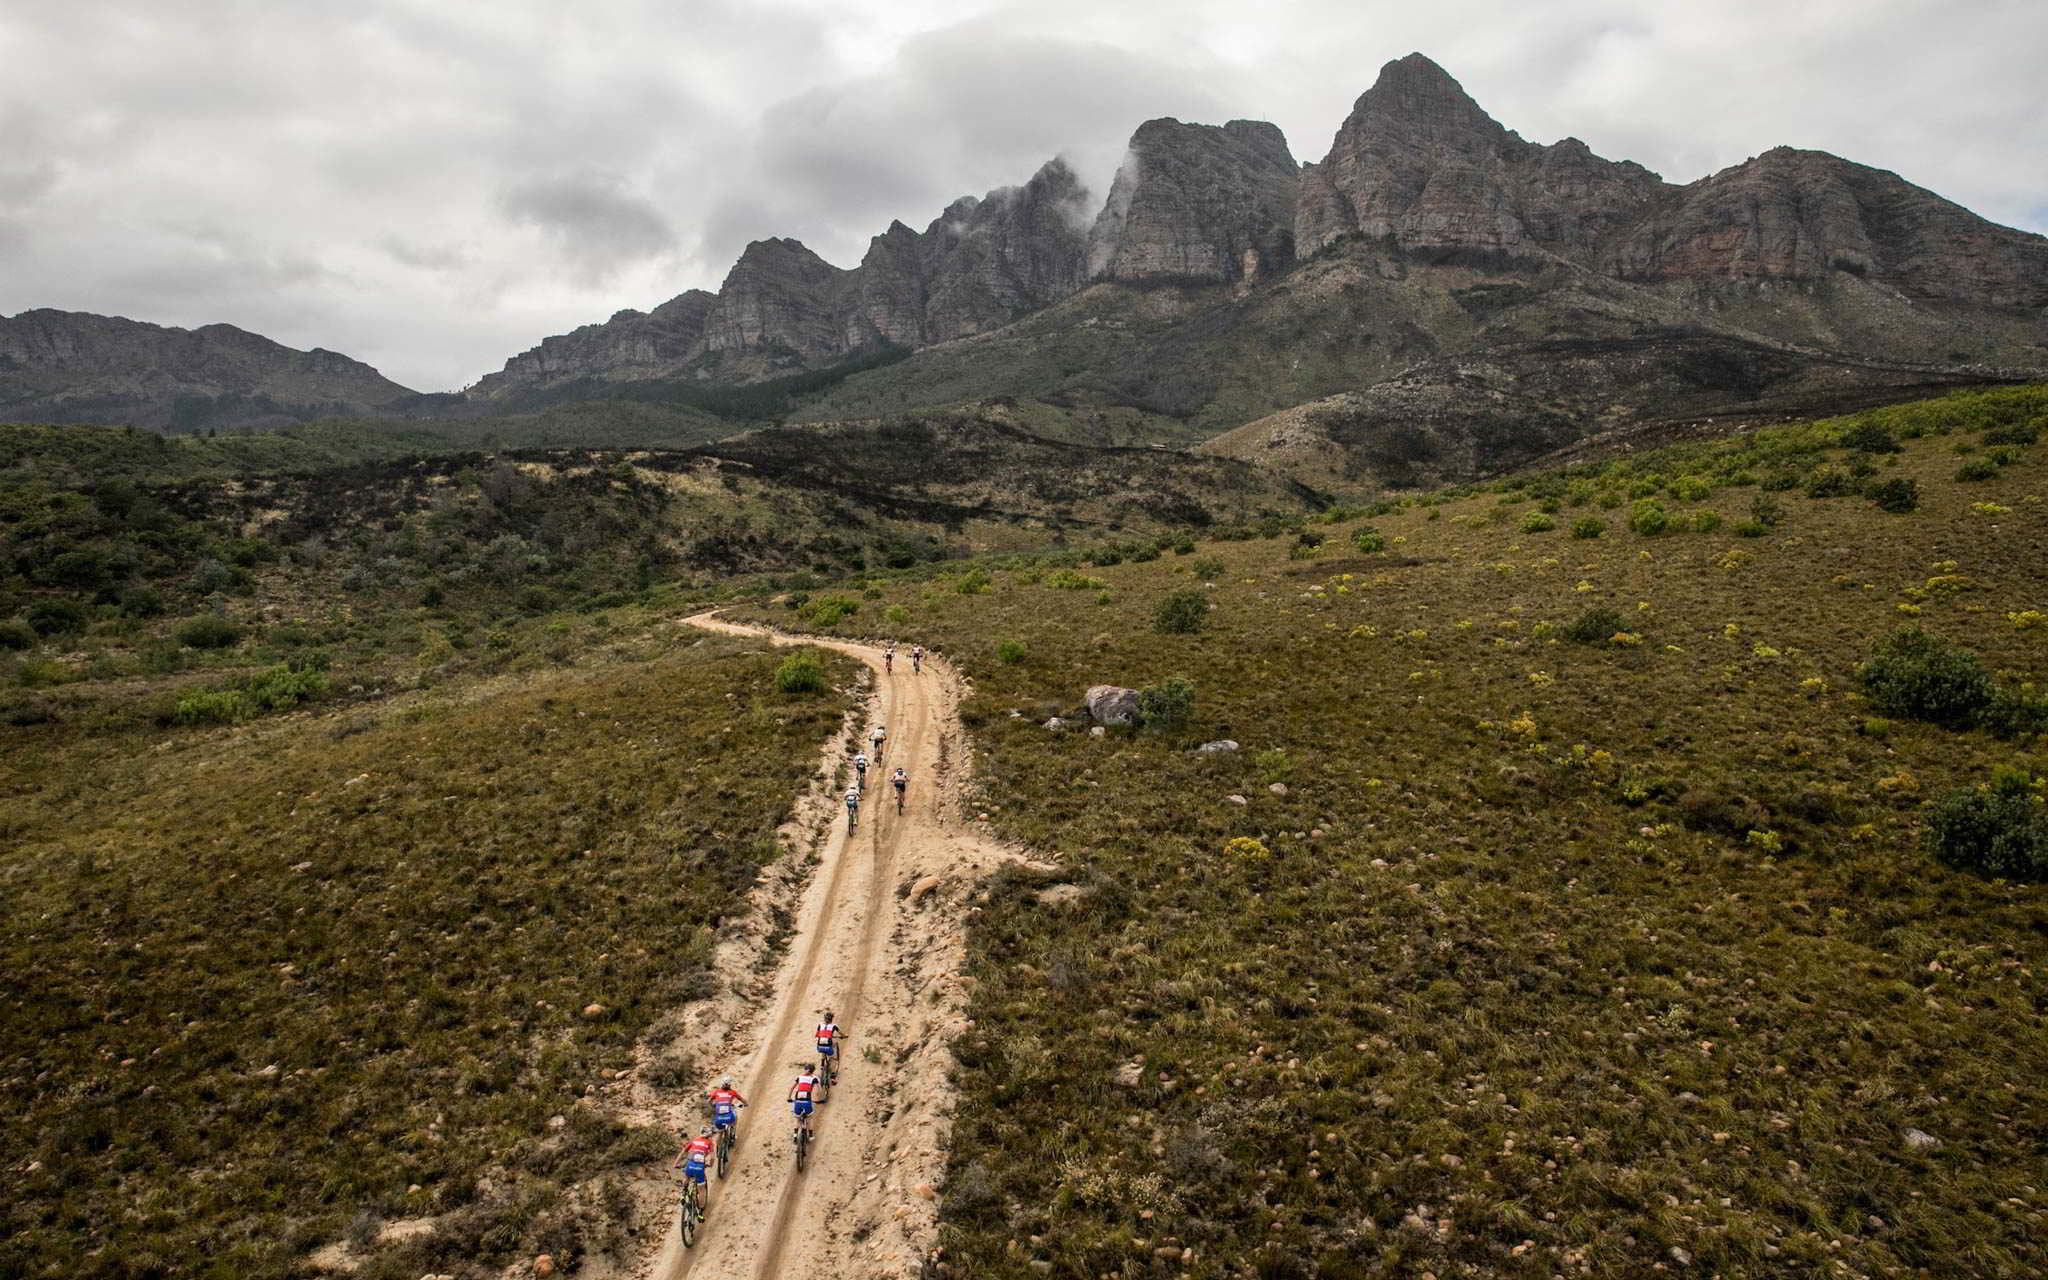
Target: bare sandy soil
{"points": [[878, 940]]}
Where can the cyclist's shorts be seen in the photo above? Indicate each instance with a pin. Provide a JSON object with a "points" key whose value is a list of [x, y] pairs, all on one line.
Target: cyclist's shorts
{"points": [[694, 1171], [802, 1106], [724, 1116], [826, 1049]]}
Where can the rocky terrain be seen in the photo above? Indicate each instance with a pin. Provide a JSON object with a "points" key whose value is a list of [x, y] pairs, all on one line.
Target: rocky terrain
{"points": [[72, 366], [1427, 229], [1459, 418]]}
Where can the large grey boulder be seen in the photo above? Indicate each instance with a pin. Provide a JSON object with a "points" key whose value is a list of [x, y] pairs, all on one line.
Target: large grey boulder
{"points": [[1112, 704]]}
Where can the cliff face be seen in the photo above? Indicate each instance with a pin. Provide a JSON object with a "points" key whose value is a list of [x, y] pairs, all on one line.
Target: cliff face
{"points": [[73, 366], [1803, 215], [1420, 165], [1197, 202], [1792, 246]]}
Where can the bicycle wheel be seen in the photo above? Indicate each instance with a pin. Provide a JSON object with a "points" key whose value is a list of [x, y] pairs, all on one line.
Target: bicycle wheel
{"points": [[692, 1214], [724, 1150], [803, 1148]]}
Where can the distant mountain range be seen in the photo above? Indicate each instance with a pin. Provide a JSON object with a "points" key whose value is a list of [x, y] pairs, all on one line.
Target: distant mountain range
{"points": [[1219, 282]]}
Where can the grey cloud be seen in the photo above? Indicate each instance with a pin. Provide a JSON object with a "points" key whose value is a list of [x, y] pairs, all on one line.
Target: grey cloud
{"points": [[432, 186], [594, 222]]}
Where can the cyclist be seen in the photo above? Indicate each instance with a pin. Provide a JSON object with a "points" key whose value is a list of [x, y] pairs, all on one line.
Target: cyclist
{"points": [[725, 1104], [899, 780], [800, 1096], [916, 659], [889, 660], [877, 736], [860, 768], [828, 1036], [696, 1155], [853, 807]]}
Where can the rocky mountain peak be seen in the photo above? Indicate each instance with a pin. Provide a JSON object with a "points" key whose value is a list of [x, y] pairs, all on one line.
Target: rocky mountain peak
{"points": [[1198, 203]]}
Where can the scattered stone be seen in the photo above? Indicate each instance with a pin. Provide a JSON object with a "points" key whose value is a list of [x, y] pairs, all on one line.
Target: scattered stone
{"points": [[557, 1122], [1680, 1256], [1221, 744], [927, 1190], [1278, 788], [1129, 1074], [593, 1011], [1235, 800], [1113, 704], [923, 888], [544, 1265], [1097, 732], [1920, 1140], [1055, 724]]}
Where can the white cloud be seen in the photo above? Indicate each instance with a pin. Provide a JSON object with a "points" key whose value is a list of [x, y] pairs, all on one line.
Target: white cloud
{"points": [[432, 186]]}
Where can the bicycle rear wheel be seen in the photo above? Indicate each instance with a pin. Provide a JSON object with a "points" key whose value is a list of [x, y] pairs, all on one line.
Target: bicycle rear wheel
{"points": [[803, 1148], [692, 1214], [725, 1140]]}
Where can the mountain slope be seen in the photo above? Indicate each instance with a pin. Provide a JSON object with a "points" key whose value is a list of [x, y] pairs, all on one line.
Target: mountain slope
{"points": [[72, 366]]}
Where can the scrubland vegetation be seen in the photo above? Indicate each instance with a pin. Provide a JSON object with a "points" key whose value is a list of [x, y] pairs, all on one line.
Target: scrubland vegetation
{"points": [[1647, 887], [277, 983]]}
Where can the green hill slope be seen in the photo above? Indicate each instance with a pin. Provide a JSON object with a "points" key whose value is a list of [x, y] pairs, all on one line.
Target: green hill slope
{"points": [[1519, 937]]}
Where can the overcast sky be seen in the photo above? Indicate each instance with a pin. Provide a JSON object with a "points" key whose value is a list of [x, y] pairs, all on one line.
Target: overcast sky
{"points": [[434, 185]]}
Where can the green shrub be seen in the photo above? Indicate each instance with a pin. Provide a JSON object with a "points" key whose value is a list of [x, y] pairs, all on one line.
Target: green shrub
{"points": [[2018, 433], [55, 617], [1181, 612], [1596, 626], [1750, 528], [1648, 517], [1069, 580], [896, 614], [1706, 521], [1768, 512], [1898, 495], [831, 611], [17, 636], [1997, 829], [801, 672], [1167, 707], [1370, 540], [1589, 527], [973, 583], [1537, 522], [282, 688], [1977, 469], [1868, 437], [1207, 569], [1918, 676], [209, 631], [1010, 652], [1830, 482], [142, 602], [213, 706], [1692, 488]]}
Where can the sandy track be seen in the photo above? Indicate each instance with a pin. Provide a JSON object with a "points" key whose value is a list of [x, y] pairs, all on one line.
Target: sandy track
{"points": [[878, 940]]}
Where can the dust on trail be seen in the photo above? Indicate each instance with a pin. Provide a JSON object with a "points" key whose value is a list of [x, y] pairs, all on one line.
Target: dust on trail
{"points": [[878, 939]]}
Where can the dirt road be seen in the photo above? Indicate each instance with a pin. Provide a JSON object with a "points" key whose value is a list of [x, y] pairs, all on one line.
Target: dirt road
{"points": [[877, 940]]}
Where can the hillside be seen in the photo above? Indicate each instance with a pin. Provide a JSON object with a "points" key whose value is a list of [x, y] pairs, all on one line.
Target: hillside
{"points": [[1565, 906], [71, 366], [1218, 282]]}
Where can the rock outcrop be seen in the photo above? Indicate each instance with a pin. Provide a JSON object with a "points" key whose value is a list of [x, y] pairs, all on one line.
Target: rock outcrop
{"points": [[1419, 165], [981, 264], [1791, 215], [1112, 704], [1197, 202], [73, 366]]}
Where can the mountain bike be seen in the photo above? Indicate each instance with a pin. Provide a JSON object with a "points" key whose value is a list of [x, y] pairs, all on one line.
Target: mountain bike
{"points": [[692, 1213], [828, 1074], [727, 1136], [803, 1144]]}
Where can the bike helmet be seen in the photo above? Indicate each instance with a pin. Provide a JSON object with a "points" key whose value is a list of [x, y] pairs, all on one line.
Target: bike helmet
{"points": [[725, 1083], [706, 1132], [810, 1068], [828, 1015]]}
